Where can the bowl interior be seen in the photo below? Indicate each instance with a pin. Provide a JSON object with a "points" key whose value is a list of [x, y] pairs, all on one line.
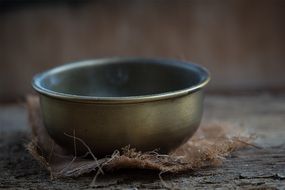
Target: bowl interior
{"points": [[122, 78]]}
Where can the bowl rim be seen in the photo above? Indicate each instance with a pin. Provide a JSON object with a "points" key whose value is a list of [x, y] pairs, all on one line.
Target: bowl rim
{"points": [[205, 75]]}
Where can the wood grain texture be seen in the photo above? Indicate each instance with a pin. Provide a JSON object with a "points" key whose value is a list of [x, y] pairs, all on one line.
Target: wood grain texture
{"points": [[250, 168]]}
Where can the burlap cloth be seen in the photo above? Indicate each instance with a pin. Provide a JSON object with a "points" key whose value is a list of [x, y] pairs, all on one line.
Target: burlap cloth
{"points": [[208, 147]]}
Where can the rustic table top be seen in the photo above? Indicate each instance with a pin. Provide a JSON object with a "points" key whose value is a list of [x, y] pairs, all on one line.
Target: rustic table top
{"points": [[249, 168]]}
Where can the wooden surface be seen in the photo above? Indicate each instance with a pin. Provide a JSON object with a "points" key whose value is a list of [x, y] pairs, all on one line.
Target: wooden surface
{"points": [[240, 41], [250, 168]]}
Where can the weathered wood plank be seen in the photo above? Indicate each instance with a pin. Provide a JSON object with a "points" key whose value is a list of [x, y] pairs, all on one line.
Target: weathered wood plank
{"points": [[250, 168]]}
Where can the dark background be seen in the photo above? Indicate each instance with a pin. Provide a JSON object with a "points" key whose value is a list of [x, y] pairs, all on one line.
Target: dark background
{"points": [[240, 41]]}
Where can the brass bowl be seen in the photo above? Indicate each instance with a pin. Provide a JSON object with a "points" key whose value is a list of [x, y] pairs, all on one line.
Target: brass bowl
{"points": [[111, 103]]}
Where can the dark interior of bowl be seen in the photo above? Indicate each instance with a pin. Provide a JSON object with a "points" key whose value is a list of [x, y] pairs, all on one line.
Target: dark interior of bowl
{"points": [[122, 78]]}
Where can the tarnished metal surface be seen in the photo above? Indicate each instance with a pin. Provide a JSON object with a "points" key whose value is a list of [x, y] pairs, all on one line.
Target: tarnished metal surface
{"points": [[111, 103]]}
